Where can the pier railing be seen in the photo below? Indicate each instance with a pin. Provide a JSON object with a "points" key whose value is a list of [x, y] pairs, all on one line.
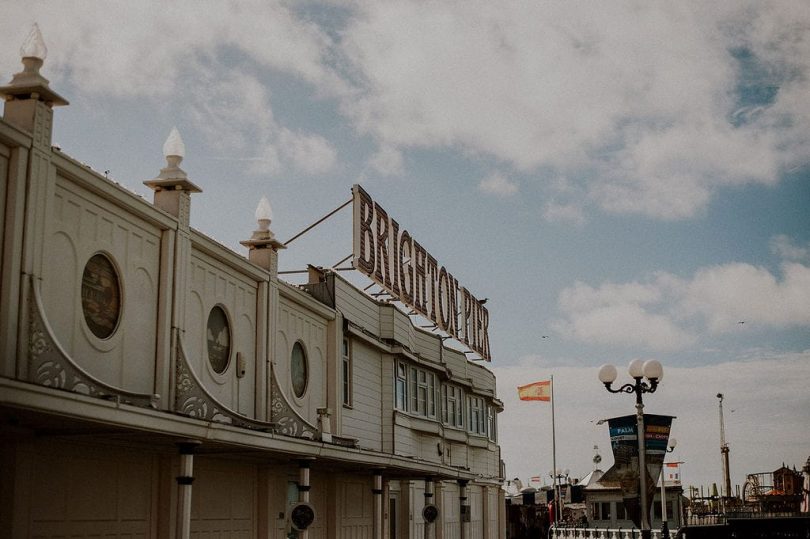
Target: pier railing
{"points": [[604, 533]]}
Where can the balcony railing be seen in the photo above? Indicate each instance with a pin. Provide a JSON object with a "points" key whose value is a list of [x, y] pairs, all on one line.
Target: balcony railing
{"points": [[604, 533]]}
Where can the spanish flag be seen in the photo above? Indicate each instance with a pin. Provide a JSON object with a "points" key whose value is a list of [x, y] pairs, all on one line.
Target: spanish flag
{"points": [[538, 391]]}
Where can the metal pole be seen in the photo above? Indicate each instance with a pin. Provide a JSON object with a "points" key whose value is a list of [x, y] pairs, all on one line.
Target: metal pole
{"points": [[554, 457], [184, 481], [642, 463], [377, 492], [303, 489], [664, 523]]}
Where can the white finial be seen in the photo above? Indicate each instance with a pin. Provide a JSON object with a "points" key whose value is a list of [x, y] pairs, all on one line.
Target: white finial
{"points": [[174, 145], [34, 45], [264, 214]]}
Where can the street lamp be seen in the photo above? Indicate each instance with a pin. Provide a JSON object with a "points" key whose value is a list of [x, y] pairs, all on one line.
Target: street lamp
{"points": [[653, 372], [557, 475], [664, 524]]}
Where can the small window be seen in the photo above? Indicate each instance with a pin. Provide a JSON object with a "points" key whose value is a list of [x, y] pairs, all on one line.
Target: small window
{"points": [[453, 411], [401, 388], [492, 423], [299, 370], [347, 374], [101, 296], [476, 415], [421, 387], [605, 510], [219, 339]]}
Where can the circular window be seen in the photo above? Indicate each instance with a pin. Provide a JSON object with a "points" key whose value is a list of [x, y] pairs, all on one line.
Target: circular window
{"points": [[101, 296], [298, 370], [219, 339]]}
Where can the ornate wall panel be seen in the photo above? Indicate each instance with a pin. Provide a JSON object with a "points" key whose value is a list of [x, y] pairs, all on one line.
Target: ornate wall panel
{"points": [[296, 325], [81, 225], [212, 285]]}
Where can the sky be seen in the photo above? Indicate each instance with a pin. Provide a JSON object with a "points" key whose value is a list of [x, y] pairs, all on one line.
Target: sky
{"points": [[623, 180]]}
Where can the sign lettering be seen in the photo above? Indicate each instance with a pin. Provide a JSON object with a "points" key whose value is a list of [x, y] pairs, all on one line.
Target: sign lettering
{"points": [[390, 257]]}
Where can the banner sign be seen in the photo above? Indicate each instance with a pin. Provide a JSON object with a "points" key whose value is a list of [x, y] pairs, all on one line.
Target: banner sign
{"points": [[398, 263], [624, 443]]}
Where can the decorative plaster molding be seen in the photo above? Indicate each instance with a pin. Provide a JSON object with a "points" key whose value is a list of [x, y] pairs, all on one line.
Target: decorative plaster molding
{"points": [[192, 399], [51, 366], [287, 420]]}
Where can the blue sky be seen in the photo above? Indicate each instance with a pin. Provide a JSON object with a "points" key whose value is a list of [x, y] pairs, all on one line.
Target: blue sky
{"points": [[631, 180]]}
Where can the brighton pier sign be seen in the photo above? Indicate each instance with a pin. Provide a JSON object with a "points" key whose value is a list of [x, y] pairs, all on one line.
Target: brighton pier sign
{"points": [[398, 263]]}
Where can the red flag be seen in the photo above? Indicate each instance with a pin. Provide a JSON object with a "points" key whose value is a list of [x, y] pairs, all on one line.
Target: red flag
{"points": [[538, 391]]}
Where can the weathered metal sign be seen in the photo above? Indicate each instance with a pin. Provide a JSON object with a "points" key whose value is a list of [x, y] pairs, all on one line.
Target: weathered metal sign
{"points": [[624, 442], [398, 263]]}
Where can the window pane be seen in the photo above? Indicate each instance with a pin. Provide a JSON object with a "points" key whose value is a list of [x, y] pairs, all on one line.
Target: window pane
{"points": [[101, 297], [299, 370], [219, 339]]}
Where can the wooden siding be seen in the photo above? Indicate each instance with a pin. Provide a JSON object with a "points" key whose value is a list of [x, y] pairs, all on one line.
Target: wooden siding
{"points": [[81, 491], [223, 503], [355, 520], [450, 510], [476, 501], [362, 420], [357, 307]]}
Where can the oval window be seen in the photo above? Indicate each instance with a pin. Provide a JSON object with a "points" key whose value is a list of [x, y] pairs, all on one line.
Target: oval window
{"points": [[219, 339], [101, 296], [298, 370]]}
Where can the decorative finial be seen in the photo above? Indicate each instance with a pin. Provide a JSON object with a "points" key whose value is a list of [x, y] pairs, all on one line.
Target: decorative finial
{"points": [[174, 146], [34, 45], [172, 176], [29, 83], [264, 214], [263, 241]]}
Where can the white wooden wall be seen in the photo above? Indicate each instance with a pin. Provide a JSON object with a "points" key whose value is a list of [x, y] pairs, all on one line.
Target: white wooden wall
{"points": [[362, 420]]}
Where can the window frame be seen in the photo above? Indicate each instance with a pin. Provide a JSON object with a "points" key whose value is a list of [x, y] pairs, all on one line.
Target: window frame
{"points": [[347, 388], [476, 415], [401, 386], [305, 358], [453, 406]]}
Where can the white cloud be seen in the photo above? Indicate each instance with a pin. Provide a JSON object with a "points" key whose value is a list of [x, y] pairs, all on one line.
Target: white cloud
{"points": [[638, 100], [312, 154], [669, 313], [783, 247], [498, 184], [620, 315], [573, 213], [132, 49], [187, 63], [387, 161], [725, 295], [640, 97]]}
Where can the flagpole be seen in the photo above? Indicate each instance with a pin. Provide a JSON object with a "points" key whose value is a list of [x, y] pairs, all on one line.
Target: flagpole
{"points": [[554, 457]]}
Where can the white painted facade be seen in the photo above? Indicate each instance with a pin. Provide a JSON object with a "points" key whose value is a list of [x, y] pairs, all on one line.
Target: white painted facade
{"points": [[140, 433]]}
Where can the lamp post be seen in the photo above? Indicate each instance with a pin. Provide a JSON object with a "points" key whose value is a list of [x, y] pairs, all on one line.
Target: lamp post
{"points": [[664, 524], [557, 475], [653, 372]]}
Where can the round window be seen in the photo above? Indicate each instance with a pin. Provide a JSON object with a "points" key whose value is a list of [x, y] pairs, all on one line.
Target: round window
{"points": [[298, 370], [101, 296], [219, 339]]}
